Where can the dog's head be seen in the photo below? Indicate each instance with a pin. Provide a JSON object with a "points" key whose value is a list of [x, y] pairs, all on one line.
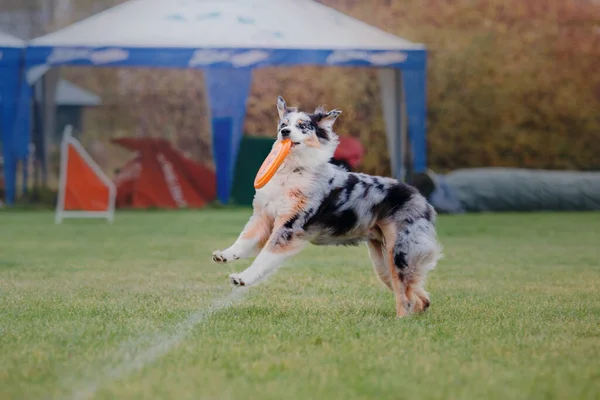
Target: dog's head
{"points": [[313, 139]]}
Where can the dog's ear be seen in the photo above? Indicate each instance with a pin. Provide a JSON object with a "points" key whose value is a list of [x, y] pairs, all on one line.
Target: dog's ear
{"points": [[281, 107], [320, 110], [325, 119]]}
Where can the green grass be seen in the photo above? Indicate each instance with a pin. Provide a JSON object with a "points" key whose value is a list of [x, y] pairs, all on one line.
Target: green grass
{"points": [[515, 313]]}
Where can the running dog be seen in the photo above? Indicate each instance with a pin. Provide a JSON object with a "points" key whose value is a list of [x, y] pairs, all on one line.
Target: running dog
{"points": [[309, 200]]}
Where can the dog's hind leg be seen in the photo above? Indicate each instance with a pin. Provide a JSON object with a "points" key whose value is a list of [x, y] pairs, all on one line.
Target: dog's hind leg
{"points": [[282, 244], [376, 253], [417, 295], [423, 251], [397, 264], [253, 237]]}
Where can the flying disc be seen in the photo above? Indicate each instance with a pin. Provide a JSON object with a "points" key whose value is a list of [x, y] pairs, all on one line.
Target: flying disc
{"points": [[272, 163]]}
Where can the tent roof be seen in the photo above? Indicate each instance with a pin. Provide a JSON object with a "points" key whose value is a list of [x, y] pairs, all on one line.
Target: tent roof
{"points": [[9, 41], [266, 24]]}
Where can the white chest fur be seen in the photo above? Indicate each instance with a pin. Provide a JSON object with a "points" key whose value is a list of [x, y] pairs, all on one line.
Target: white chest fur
{"points": [[280, 196], [274, 198]]}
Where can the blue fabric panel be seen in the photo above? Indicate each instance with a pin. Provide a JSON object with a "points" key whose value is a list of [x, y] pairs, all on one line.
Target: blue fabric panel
{"points": [[22, 127], [8, 94], [416, 110], [10, 67], [222, 143], [227, 91], [222, 58], [11, 57]]}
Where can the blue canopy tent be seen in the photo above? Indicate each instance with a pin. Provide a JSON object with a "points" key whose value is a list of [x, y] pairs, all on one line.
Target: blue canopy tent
{"points": [[228, 39], [11, 57]]}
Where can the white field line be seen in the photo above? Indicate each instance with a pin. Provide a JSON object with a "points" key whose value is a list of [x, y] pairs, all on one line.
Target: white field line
{"points": [[138, 352]]}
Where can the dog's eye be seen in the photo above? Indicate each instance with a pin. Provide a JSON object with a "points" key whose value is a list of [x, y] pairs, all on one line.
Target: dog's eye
{"points": [[303, 125]]}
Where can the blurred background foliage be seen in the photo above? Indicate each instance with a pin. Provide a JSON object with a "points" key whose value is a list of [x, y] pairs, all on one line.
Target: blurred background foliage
{"points": [[510, 83]]}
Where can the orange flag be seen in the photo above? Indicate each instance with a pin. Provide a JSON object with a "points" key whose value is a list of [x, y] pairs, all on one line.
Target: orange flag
{"points": [[84, 190]]}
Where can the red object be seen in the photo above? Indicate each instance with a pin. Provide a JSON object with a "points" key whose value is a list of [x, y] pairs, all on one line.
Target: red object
{"points": [[159, 176], [349, 150], [84, 188]]}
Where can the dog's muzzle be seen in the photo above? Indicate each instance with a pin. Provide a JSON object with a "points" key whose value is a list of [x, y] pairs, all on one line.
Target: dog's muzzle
{"points": [[285, 133]]}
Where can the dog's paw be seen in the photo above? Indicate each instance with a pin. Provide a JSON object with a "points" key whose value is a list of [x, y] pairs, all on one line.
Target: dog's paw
{"points": [[218, 257], [223, 257], [236, 280]]}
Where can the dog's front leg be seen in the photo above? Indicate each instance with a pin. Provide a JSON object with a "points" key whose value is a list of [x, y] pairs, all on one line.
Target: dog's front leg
{"points": [[282, 244], [253, 238]]}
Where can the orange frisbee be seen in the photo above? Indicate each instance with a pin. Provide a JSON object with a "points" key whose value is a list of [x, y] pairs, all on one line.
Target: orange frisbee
{"points": [[272, 163]]}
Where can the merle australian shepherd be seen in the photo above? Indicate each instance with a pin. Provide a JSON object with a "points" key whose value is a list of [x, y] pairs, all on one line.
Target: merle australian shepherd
{"points": [[310, 200]]}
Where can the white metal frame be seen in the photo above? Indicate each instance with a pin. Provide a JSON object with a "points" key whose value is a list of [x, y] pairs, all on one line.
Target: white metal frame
{"points": [[64, 159]]}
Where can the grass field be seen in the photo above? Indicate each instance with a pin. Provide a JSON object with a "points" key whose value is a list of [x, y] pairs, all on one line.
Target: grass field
{"points": [[135, 310]]}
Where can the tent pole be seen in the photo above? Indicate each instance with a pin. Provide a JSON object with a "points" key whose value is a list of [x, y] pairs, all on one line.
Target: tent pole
{"points": [[392, 99], [401, 128]]}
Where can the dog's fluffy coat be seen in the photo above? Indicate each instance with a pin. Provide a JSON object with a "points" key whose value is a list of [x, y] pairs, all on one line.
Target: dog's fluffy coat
{"points": [[310, 200]]}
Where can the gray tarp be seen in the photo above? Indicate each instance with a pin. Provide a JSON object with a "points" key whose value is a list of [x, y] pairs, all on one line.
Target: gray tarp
{"points": [[511, 189]]}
